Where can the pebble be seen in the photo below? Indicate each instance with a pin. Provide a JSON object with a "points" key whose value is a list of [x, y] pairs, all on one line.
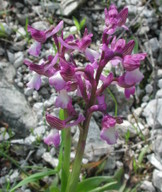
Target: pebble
{"points": [[160, 83], [41, 25], [149, 88], [19, 59], [40, 152], [20, 34], [11, 57], [145, 98], [28, 91], [35, 95], [2, 51], [20, 84], [147, 186], [73, 29], [159, 94], [49, 159], [39, 131], [157, 178], [152, 44], [14, 176]]}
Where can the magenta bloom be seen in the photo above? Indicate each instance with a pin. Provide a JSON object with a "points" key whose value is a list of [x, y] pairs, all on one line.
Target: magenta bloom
{"points": [[132, 62], [108, 132], [113, 19], [40, 37]]}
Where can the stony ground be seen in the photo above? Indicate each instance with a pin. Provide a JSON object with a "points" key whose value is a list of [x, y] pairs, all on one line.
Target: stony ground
{"points": [[22, 125]]}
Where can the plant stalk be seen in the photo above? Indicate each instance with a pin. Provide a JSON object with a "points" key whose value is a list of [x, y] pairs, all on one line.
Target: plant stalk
{"points": [[74, 176], [66, 138]]}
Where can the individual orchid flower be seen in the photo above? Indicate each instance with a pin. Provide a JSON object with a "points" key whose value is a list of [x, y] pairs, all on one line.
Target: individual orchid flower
{"points": [[128, 81], [44, 67], [108, 132], [113, 19], [132, 62], [57, 81], [41, 36], [58, 124]]}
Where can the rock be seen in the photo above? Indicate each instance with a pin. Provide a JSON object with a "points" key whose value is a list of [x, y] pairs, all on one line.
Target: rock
{"points": [[154, 161], [110, 163], [11, 57], [2, 51], [6, 28], [146, 98], [153, 113], [32, 2], [132, 9], [3, 134], [147, 186], [95, 147], [124, 128], [14, 176], [148, 13], [123, 103], [73, 29], [68, 6], [30, 139], [13, 105], [28, 91], [19, 59], [159, 94], [3, 4], [157, 146], [39, 131], [157, 178], [7, 71], [152, 44], [51, 7], [20, 34], [160, 83], [15, 110], [41, 25], [149, 88], [49, 159], [19, 46], [38, 108]]}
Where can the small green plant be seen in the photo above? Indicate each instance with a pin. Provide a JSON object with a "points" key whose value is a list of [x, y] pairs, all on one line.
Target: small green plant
{"points": [[3, 33], [127, 136], [79, 25]]}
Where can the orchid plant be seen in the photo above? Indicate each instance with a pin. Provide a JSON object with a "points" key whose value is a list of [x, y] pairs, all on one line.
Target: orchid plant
{"points": [[88, 82]]}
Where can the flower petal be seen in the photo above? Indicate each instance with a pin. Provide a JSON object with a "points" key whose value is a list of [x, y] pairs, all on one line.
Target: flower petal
{"points": [[63, 99], [35, 49], [53, 138], [110, 135], [35, 82]]}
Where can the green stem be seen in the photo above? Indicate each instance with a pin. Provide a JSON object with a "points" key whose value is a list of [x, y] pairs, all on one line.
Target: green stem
{"points": [[66, 139], [115, 102], [74, 176]]}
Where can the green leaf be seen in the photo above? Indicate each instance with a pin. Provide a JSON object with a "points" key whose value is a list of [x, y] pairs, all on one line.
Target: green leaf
{"points": [[2, 31], [91, 183], [142, 154], [54, 189], [135, 50], [33, 178], [82, 23], [115, 102], [76, 23]]}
